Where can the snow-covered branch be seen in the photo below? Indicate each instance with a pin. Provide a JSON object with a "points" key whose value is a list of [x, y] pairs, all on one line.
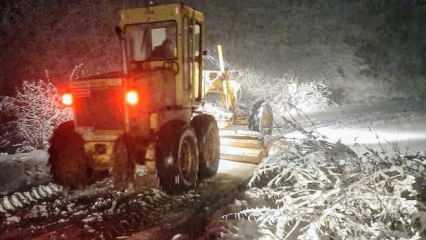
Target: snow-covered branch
{"points": [[37, 113], [313, 189]]}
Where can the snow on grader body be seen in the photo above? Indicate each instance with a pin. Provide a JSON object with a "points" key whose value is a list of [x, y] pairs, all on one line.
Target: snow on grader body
{"points": [[145, 123]]}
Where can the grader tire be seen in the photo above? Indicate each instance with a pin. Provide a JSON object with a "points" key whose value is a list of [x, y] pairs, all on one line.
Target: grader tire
{"points": [[266, 119], [254, 118], [208, 144], [261, 118], [177, 157], [67, 158], [123, 166]]}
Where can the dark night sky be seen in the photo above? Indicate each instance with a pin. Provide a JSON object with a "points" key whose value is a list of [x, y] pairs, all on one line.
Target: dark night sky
{"points": [[339, 41]]}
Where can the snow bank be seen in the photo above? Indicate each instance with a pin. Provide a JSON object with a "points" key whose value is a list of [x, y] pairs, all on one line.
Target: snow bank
{"points": [[23, 170]]}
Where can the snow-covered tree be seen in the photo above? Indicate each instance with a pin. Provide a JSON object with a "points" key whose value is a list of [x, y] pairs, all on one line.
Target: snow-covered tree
{"points": [[37, 113], [285, 93], [312, 189]]}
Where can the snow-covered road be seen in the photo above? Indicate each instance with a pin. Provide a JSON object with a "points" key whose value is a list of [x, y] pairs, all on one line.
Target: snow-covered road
{"points": [[99, 212], [393, 126]]}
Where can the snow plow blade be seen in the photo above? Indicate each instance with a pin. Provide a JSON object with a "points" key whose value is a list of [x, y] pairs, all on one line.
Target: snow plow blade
{"points": [[241, 145]]}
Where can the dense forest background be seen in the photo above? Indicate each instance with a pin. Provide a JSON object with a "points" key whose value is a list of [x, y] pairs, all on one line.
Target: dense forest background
{"points": [[365, 48]]}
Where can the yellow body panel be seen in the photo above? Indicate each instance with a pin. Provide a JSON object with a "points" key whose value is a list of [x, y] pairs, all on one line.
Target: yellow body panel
{"points": [[108, 82], [158, 13]]}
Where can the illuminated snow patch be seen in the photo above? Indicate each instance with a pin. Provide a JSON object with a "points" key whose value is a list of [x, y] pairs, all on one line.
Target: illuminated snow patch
{"points": [[363, 136], [227, 166]]}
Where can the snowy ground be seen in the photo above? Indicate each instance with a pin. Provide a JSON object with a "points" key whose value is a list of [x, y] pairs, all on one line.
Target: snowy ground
{"points": [[393, 128], [397, 125], [383, 125], [21, 171], [101, 212], [31, 207]]}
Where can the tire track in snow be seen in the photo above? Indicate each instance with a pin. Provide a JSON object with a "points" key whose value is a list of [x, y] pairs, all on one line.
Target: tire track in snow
{"points": [[19, 200]]}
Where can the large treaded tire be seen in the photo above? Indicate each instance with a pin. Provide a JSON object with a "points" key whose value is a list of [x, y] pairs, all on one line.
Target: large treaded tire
{"points": [[177, 157], [261, 118], [123, 166], [67, 158], [253, 118], [266, 119], [208, 144]]}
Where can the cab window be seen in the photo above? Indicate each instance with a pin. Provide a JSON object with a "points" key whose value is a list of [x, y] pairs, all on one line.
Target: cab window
{"points": [[151, 42]]}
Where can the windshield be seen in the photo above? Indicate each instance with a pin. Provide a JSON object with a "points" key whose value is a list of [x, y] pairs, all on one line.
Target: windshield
{"points": [[153, 41]]}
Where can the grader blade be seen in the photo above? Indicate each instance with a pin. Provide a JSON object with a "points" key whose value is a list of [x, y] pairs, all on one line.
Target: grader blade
{"points": [[242, 145], [241, 120]]}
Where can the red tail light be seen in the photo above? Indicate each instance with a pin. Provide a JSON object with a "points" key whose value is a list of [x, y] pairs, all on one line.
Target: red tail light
{"points": [[132, 97], [67, 99]]}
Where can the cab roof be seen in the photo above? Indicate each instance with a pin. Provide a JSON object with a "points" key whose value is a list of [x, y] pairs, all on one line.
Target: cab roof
{"points": [[158, 13]]}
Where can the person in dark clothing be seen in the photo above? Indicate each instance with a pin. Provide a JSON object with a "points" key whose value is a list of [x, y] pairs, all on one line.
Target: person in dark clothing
{"points": [[163, 51]]}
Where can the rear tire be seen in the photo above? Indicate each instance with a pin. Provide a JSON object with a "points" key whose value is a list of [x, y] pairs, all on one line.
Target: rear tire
{"points": [[261, 118], [208, 144], [265, 119], [177, 157], [254, 118], [67, 157]]}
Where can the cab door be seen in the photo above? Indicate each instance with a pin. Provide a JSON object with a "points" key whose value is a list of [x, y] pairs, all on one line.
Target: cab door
{"points": [[193, 59], [197, 61]]}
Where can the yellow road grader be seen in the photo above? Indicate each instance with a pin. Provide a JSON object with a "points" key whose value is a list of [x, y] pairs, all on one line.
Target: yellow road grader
{"points": [[149, 117]]}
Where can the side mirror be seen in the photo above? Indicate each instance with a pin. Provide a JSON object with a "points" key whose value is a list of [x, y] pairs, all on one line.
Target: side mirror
{"points": [[119, 32]]}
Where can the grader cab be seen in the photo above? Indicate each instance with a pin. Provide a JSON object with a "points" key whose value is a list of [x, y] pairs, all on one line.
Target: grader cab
{"points": [[146, 117]]}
